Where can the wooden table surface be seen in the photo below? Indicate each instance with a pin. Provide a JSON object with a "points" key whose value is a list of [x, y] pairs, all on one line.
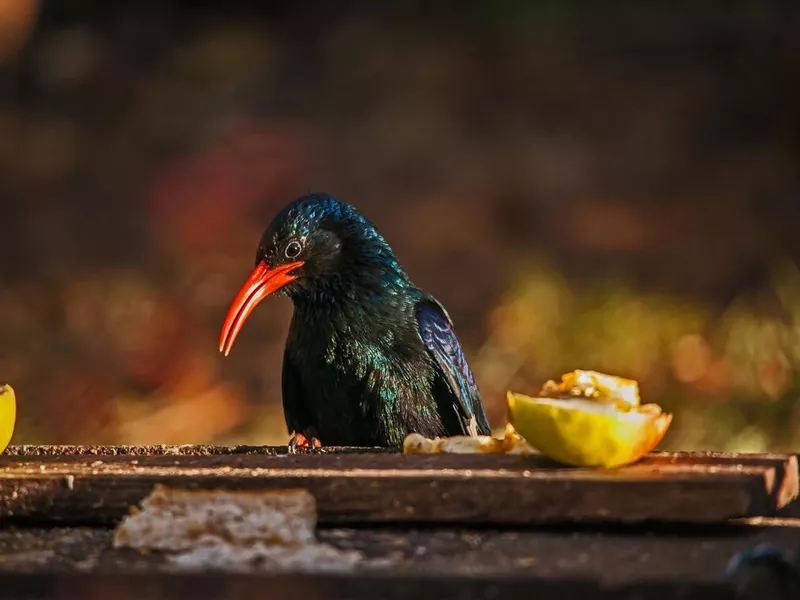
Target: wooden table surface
{"points": [[438, 526]]}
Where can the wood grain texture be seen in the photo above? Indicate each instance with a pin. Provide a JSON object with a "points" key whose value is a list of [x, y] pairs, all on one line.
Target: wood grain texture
{"points": [[98, 485], [332, 587], [45, 450], [610, 555]]}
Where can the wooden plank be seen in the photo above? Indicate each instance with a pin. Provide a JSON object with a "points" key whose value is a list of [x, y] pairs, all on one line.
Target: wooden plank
{"points": [[783, 485], [786, 464], [394, 488], [611, 555], [786, 480], [415, 498], [333, 587]]}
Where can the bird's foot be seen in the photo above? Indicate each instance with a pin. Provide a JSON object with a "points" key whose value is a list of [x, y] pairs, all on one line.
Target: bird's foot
{"points": [[298, 440]]}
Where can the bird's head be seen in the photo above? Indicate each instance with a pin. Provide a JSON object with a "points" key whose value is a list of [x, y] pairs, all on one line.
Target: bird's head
{"points": [[317, 249]]}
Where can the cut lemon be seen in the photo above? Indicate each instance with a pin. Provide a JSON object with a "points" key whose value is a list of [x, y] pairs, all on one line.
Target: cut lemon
{"points": [[8, 414], [588, 432]]}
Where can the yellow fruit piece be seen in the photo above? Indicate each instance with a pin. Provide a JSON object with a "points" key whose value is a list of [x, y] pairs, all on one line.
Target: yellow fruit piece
{"points": [[588, 433], [593, 386], [8, 414], [510, 443]]}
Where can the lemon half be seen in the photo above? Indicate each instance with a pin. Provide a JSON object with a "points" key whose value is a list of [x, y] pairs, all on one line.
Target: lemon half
{"points": [[8, 414], [587, 433]]}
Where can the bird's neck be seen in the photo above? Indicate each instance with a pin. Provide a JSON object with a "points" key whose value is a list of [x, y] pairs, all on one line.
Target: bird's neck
{"points": [[369, 291], [356, 297], [346, 325], [367, 274]]}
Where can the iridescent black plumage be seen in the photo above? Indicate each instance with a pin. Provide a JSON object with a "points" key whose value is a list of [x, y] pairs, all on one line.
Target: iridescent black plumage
{"points": [[369, 357]]}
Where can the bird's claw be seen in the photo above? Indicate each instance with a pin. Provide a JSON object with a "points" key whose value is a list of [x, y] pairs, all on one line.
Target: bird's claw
{"points": [[298, 440]]}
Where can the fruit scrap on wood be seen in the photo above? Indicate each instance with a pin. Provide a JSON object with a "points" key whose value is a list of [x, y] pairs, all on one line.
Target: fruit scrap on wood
{"points": [[510, 443], [233, 530], [588, 419]]}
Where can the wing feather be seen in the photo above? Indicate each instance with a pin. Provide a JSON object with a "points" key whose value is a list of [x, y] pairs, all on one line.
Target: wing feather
{"points": [[440, 339]]}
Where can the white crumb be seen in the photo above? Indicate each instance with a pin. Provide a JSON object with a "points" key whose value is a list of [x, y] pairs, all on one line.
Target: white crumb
{"points": [[182, 519], [233, 531], [510, 443], [262, 557]]}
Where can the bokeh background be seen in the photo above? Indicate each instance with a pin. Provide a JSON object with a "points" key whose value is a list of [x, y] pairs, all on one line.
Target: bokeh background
{"points": [[608, 186]]}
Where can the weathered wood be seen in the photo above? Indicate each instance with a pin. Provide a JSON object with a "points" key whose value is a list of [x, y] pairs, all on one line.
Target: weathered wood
{"points": [[595, 561], [787, 480], [785, 465], [40, 451], [332, 587], [393, 488], [611, 555]]}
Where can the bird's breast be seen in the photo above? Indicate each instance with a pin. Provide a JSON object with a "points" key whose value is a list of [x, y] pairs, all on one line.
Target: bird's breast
{"points": [[362, 384]]}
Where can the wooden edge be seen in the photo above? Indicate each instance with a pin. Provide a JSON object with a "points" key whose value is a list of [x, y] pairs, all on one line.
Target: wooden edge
{"points": [[787, 481], [762, 478], [269, 469], [351, 458], [416, 497], [780, 478], [37, 451], [788, 490], [784, 486], [766, 522], [719, 456], [771, 486]]}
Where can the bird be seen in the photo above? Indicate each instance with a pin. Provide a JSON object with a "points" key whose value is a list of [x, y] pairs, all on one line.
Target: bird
{"points": [[369, 357]]}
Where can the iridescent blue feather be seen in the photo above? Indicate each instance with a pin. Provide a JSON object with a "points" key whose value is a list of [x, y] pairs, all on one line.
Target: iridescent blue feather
{"points": [[440, 339]]}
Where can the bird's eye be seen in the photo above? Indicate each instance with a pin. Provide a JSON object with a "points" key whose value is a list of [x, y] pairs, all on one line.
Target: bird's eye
{"points": [[293, 249]]}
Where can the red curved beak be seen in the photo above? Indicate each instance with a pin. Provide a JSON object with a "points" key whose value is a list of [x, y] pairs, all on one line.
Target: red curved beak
{"points": [[262, 282]]}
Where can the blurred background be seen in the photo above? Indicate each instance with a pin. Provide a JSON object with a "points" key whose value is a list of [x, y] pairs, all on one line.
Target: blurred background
{"points": [[612, 188]]}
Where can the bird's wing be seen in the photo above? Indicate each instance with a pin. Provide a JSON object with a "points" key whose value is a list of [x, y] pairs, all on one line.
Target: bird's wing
{"points": [[439, 338], [295, 410]]}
